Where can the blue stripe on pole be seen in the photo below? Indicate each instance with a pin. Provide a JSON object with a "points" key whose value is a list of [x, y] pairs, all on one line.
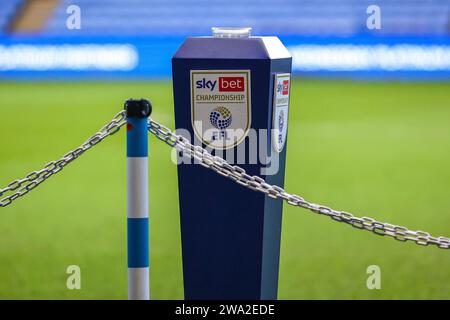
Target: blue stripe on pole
{"points": [[137, 137], [138, 250]]}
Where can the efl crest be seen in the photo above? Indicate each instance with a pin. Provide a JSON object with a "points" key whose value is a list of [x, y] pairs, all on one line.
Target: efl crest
{"points": [[220, 106], [280, 110]]}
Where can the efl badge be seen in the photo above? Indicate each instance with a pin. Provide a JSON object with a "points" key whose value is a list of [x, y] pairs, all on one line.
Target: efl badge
{"points": [[220, 106], [280, 110]]}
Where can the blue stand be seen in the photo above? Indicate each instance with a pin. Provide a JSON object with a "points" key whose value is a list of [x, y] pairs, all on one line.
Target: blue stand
{"points": [[230, 234]]}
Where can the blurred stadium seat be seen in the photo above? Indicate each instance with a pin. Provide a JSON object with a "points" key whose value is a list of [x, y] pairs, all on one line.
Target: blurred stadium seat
{"points": [[8, 10], [283, 17]]}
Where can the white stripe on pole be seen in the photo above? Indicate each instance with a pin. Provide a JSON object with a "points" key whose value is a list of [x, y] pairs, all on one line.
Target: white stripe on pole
{"points": [[137, 187], [138, 284]]}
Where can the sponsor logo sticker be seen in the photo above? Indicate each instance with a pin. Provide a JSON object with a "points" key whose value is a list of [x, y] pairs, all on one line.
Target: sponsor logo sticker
{"points": [[282, 85], [220, 106]]}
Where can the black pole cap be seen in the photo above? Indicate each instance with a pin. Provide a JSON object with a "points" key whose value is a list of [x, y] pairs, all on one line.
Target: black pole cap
{"points": [[138, 108]]}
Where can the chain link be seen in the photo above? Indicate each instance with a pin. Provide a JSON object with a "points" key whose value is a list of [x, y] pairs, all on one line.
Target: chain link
{"points": [[35, 178], [256, 183]]}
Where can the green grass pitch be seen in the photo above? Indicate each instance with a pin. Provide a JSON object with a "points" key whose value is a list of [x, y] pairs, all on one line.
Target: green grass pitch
{"points": [[373, 149]]}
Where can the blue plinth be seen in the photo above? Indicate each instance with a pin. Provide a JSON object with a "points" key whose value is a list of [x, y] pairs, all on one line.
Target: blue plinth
{"points": [[230, 234]]}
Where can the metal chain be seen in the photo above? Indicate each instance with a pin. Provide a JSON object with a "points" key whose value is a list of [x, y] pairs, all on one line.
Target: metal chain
{"points": [[256, 183], [35, 178]]}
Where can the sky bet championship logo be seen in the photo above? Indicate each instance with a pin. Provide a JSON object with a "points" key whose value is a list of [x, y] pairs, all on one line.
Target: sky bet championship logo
{"points": [[220, 106], [280, 110]]}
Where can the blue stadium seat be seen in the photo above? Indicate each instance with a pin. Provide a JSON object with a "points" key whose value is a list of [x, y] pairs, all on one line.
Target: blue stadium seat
{"points": [[8, 8]]}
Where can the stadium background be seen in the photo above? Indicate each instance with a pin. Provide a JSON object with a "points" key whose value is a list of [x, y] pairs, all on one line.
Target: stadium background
{"points": [[368, 133]]}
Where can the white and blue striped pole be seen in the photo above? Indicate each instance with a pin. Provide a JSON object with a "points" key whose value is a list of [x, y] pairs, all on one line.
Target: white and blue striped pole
{"points": [[137, 199]]}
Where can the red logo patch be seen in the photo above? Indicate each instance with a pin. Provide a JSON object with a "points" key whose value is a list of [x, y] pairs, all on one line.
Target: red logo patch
{"points": [[285, 89], [231, 84]]}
